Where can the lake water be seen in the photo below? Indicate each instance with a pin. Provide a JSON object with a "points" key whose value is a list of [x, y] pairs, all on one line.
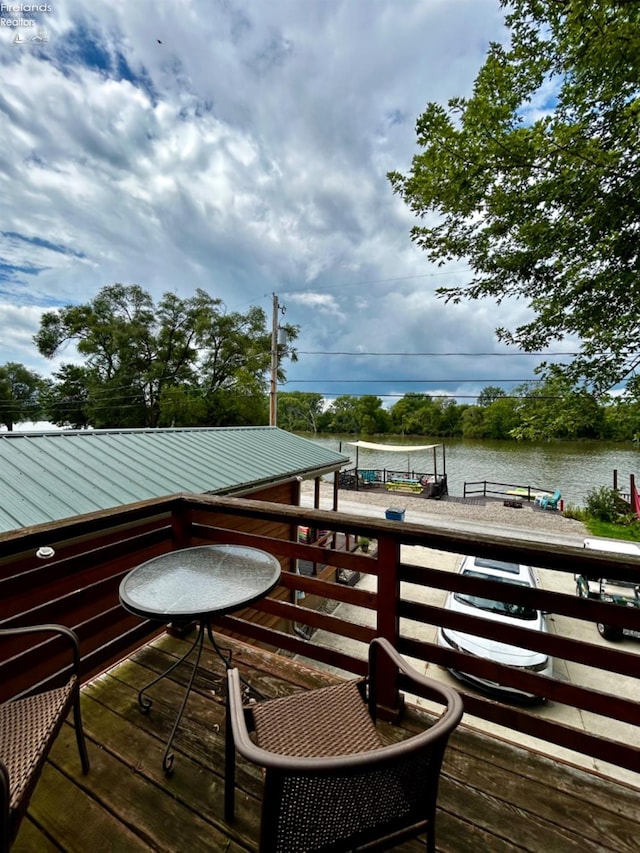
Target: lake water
{"points": [[573, 467]]}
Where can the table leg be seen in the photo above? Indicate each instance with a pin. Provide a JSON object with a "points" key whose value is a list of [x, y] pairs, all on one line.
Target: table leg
{"points": [[146, 703], [224, 653]]}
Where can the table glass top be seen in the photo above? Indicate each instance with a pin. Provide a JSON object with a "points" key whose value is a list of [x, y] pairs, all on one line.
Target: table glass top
{"points": [[206, 580]]}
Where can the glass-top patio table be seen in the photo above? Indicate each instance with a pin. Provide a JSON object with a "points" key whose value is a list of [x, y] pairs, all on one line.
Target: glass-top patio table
{"points": [[196, 584]]}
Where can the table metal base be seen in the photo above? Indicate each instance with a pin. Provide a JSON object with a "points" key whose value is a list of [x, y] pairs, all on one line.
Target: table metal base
{"points": [[225, 655]]}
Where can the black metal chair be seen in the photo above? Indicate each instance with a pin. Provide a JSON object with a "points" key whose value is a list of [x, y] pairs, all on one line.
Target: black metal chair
{"points": [[330, 781], [29, 724]]}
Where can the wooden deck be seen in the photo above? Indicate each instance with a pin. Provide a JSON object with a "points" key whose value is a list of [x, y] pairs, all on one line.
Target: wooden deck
{"points": [[493, 797]]}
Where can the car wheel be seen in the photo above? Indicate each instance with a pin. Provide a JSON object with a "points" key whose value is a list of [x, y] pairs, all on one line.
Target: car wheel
{"points": [[608, 632]]}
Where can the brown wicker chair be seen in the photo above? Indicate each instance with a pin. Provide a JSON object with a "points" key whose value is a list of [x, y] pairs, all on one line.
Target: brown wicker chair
{"points": [[330, 783], [29, 724]]}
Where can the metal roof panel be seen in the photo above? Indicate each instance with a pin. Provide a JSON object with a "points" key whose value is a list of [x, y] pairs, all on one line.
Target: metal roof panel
{"points": [[54, 475]]}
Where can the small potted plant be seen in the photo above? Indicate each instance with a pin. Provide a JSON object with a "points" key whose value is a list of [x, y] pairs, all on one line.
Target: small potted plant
{"points": [[364, 543]]}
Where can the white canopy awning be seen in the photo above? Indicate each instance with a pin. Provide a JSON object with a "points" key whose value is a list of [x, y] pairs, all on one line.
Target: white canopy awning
{"points": [[393, 448]]}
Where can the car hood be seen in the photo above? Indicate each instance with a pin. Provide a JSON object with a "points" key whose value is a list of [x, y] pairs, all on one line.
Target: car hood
{"points": [[492, 649]]}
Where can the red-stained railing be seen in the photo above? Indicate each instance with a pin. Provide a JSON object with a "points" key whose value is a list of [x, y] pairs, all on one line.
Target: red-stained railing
{"points": [[78, 587]]}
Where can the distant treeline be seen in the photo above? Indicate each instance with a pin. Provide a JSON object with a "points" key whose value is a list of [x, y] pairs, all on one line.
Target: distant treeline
{"points": [[531, 412]]}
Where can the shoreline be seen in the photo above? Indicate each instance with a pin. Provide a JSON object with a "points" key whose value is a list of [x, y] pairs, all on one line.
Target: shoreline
{"points": [[452, 513]]}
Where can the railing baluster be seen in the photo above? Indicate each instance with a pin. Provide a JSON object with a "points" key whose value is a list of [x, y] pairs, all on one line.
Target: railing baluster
{"points": [[79, 588], [388, 620]]}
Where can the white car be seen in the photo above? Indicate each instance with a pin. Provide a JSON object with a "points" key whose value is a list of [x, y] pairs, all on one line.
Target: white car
{"points": [[510, 614]]}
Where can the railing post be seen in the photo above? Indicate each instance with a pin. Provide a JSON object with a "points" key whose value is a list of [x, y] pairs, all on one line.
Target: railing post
{"points": [[181, 525], [388, 622]]}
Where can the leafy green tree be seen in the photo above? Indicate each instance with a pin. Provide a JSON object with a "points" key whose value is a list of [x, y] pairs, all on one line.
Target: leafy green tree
{"points": [[20, 390], [300, 411], [439, 417], [556, 409], [420, 414], [535, 179], [373, 418], [451, 414], [182, 360], [66, 400], [622, 419], [500, 418], [490, 394], [182, 405], [473, 422], [410, 413], [131, 349], [355, 415], [237, 350], [237, 407], [343, 412], [495, 420]]}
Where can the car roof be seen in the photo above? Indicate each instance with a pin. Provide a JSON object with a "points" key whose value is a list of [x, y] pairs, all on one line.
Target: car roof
{"points": [[614, 546], [499, 568]]}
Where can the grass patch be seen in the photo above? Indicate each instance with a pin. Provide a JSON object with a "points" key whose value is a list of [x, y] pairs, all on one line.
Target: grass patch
{"points": [[607, 514], [629, 532]]}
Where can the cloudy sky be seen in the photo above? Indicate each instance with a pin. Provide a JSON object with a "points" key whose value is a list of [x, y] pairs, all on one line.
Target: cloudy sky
{"points": [[242, 147]]}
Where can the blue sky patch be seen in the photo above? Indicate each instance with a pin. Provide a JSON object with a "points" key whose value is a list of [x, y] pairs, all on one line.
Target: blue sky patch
{"points": [[83, 47], [41, 243], [8, 271]]}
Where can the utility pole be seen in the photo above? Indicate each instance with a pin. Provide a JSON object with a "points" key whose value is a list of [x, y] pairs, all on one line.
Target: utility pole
{"points": [[273, 393]]}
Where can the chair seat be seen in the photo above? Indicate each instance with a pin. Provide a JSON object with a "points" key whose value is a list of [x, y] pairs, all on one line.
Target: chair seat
{"points": [[331, 783], [330, 721], [27, 728]]}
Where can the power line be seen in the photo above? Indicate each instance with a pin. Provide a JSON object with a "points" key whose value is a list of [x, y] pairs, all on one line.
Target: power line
{"points": [[308, 288], [403, 381], [452, 396], [438, 354]]}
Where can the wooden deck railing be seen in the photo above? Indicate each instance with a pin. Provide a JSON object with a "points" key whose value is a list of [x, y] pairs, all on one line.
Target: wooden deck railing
{"points": [[78, 587]]}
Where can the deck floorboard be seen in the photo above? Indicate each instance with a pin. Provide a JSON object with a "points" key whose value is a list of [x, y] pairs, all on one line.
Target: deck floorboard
{"points": [[493, 796]]}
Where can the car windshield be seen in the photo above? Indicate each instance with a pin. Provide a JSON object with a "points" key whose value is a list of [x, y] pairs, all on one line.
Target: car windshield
{"points": [[516, 611]]}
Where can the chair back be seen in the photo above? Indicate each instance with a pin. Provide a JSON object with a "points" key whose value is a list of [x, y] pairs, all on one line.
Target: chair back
{"points": [[29, 725], [553, 500], [377, 800], [332, 782]]}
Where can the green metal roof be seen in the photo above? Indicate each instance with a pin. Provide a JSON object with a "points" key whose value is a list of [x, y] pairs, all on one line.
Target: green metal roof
{"points": [[55, 475]]}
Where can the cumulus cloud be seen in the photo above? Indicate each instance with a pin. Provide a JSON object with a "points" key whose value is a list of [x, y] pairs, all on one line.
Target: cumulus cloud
{"points": [[241, 148]]}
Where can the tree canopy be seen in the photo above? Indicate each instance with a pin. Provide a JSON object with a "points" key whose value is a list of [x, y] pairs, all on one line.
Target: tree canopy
{"points": [[20, 390], [534, 411], [536, 181], [300, 411], [182, 362]]}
